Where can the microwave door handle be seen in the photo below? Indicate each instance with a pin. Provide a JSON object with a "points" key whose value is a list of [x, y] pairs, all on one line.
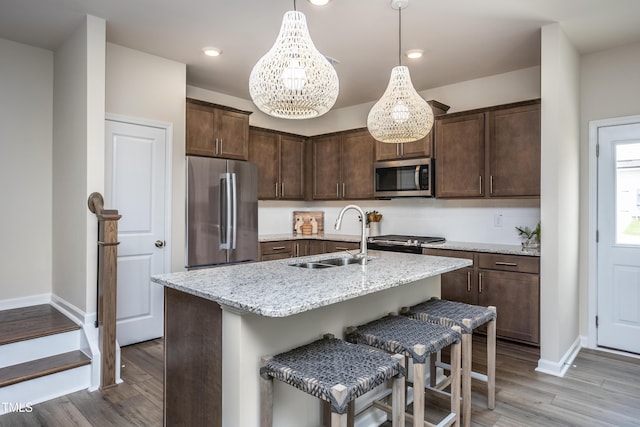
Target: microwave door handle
{"points": [[417, 178]]}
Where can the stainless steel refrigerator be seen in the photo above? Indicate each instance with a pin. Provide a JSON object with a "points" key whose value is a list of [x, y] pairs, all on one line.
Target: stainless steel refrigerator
{"points": [[222, 212]]}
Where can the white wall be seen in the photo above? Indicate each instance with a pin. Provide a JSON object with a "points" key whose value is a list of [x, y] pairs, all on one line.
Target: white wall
{"points": [[144, 86], [559, 202], [26, 85], [456, 220], [610, 87], [78, 161]]}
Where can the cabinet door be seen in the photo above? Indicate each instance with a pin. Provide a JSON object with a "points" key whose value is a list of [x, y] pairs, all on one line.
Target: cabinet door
{"points": [[514, 151], [233, 134], [460, 156], [316, 247], [419, 148], [291, 167], [327, 181], [386, 151], [200, 139], [517, 300], [459, 285], [357, 165], [264, 151]]}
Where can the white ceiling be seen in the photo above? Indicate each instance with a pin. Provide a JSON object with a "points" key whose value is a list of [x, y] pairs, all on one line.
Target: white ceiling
{"points": [[462, 39]]}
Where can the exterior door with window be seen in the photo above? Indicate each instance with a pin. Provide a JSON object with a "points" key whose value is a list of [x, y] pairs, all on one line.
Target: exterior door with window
{"points": [[619, 237]]}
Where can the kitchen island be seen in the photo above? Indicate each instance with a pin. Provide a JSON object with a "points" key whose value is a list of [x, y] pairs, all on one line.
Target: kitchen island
{"points": [[219, 322]]}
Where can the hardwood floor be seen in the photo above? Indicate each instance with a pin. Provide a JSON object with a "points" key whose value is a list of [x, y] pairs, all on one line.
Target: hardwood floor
{"points": [[600, 389]]}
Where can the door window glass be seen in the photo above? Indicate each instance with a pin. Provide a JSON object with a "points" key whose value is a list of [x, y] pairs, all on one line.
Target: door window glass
{"points": [[627, 157]]}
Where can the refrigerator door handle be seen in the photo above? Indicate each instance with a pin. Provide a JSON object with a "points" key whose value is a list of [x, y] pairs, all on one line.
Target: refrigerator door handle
{"points": [[225, 210], [234, 211]]}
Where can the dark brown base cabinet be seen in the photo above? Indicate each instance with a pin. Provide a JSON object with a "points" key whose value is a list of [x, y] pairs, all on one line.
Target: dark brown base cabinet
{"points": [[511, 283], [283, 249]]}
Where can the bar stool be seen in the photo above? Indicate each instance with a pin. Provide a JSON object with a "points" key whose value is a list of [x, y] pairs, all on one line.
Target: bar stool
{"points": [[335, 371], [418, 340], [467, 317]]}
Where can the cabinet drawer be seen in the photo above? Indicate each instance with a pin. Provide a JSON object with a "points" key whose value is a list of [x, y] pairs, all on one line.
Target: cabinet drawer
{"points": [[449, 253], [521, 264], [268, 248], [336, 246]]}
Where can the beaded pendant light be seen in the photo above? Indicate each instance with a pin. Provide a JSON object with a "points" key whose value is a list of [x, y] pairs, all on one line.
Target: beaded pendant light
{"points": [[293, 80], [401, 115]]}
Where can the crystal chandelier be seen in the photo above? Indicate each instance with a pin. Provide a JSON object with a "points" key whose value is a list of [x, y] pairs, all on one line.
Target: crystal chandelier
{"points": [[293, 80], [401, 115]]}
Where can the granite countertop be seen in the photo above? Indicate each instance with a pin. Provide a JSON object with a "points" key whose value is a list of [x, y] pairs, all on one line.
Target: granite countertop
{"points": [[319, 236], [484, 247], [276, 289]]}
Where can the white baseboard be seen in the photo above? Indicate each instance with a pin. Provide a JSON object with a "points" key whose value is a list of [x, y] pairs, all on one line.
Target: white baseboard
{"points": [[560, 368], [12, 303]]}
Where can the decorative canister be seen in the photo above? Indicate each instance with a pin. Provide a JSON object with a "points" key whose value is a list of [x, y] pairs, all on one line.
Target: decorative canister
{"points": [[307, 228]]}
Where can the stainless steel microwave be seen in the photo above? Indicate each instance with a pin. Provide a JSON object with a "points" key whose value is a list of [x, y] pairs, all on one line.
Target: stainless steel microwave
{"points": [[404, 178]]}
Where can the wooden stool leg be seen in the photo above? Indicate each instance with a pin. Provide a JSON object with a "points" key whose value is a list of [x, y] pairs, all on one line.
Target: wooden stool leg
{"points": [[491, 362], [339, 392], [418, 388], [455, 380], [398, 397], [266, 397], [467, 340]]}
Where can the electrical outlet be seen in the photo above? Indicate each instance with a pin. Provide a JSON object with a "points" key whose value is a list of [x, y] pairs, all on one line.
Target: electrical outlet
{"points": [[497, 220]]}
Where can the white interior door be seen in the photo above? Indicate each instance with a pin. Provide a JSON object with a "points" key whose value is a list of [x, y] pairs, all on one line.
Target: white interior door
{"points": [[135, 185], [619, 237]]}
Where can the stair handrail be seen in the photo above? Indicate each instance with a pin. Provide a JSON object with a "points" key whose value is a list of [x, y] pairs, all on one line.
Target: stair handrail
{"points": [[107, 287]]}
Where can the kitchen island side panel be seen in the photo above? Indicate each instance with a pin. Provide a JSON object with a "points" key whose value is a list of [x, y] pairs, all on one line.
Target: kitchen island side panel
{"points": [[193, 360]]}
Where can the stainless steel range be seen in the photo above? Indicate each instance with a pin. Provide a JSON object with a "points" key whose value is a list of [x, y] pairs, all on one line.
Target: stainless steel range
{"points": [[401, 243]]}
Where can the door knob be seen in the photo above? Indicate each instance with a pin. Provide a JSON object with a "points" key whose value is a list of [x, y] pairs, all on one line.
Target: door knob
{"points": [[159, 243]]}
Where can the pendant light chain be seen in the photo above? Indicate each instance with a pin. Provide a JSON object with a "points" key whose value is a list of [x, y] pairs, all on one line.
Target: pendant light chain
{"points": [[399, 36]]}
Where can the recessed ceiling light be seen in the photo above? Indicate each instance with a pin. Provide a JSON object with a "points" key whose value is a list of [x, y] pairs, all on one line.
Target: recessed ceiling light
{"points": [[415, 53], [319, 2], [212, 51]]}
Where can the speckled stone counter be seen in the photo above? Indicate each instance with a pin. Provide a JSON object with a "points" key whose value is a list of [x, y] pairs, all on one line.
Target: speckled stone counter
{"points": [[277, 289], [484, 247], [319, 236]]}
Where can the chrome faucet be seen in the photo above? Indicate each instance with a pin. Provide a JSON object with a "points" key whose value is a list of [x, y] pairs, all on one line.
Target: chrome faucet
{"points": [[362, 256]]}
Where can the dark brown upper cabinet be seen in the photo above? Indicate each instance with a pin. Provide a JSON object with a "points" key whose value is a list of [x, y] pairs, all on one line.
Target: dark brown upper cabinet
{"points": [[280, 160], [492, 152], [216, 131]]}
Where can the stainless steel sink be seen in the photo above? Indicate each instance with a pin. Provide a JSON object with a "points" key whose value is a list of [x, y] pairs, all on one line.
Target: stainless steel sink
{"points": [[327, 263], [341, 261], [311, 265]]}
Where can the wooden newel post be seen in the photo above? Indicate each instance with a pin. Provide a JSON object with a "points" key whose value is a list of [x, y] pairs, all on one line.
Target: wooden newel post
{"points": [[107, 287]]}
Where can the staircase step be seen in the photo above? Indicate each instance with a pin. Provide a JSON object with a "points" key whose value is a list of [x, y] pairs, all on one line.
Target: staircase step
{"points": [[41, 367], [25, 323]]}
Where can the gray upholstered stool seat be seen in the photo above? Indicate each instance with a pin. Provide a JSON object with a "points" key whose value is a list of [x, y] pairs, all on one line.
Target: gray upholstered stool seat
{"points": [[335, 371], [417, 340], [468, 317]]}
